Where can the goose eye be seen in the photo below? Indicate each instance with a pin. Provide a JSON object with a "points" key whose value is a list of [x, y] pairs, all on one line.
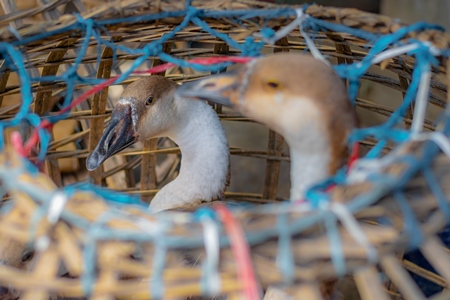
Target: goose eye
{"points": [[273, 83], [27, 255], [149, 101]]}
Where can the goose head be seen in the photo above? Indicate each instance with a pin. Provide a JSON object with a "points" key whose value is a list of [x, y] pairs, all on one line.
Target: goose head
{"points": [[142, 112], [299, 97], [285, 91]]}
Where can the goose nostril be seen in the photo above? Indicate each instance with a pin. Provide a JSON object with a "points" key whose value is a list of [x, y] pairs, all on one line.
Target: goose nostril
{"points": [[110, 142]]}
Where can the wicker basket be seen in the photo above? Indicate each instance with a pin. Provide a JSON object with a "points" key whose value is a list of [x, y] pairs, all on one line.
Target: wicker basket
{"points": [[97, 241]]}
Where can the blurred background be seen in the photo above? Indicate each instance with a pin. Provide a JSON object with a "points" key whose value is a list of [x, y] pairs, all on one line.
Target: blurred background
{"points": [[435, 11]]}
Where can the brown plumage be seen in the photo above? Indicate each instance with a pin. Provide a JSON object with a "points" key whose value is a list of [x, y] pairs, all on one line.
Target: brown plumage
{"points": [[299, 97], [302, 99]]}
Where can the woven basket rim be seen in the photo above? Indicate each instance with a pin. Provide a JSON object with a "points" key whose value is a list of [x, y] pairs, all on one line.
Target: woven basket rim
{"points": [[351, 17]]}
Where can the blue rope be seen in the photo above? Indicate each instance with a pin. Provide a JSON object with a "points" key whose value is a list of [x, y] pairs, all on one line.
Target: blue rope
{"points": [[95, 30], [89, 256], [336, 251], [156, 283], [410, 224], [116, 197], [437, 192], [285, 257]]}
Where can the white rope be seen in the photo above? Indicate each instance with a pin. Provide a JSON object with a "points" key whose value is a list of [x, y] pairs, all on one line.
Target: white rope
{"points": [[42, 243], [212, 248], [152, 228], [391, 53], [387, 54], [438, 137], [285, 30], [301, 17], [349, 222], [56, 207], [421, 102], [364, 167], [309, 42]]}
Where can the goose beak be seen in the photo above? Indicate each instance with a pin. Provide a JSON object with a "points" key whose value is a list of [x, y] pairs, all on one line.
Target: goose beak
{"points": [[119, 135], [222, 88]]}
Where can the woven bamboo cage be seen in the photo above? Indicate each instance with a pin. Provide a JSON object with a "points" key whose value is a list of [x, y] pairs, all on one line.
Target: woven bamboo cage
{"points": [[109, 246]]}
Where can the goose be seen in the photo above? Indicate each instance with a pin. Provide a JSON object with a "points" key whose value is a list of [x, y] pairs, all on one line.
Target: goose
{"points": [[148, 108], [297, 96], [302, 99], [13, 254]]}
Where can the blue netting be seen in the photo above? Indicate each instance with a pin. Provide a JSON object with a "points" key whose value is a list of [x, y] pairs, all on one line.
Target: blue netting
{"points": [[389, 132], [93, 29]]}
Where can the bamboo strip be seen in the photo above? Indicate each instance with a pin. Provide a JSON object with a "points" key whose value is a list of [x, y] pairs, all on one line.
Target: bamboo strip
{"points": [[401, 278], [369, 285]]}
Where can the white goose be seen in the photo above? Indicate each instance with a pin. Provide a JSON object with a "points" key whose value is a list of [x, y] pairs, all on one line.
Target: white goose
{"points": [[148, 108], [299, 97]]}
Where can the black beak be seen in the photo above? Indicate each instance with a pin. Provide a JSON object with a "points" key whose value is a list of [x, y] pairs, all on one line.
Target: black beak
{"points": [[221, 88], [119, 135]]}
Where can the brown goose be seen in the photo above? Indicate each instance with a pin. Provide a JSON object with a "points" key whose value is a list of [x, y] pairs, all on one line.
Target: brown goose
{"points": [[299, 97], [302, 99]]}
